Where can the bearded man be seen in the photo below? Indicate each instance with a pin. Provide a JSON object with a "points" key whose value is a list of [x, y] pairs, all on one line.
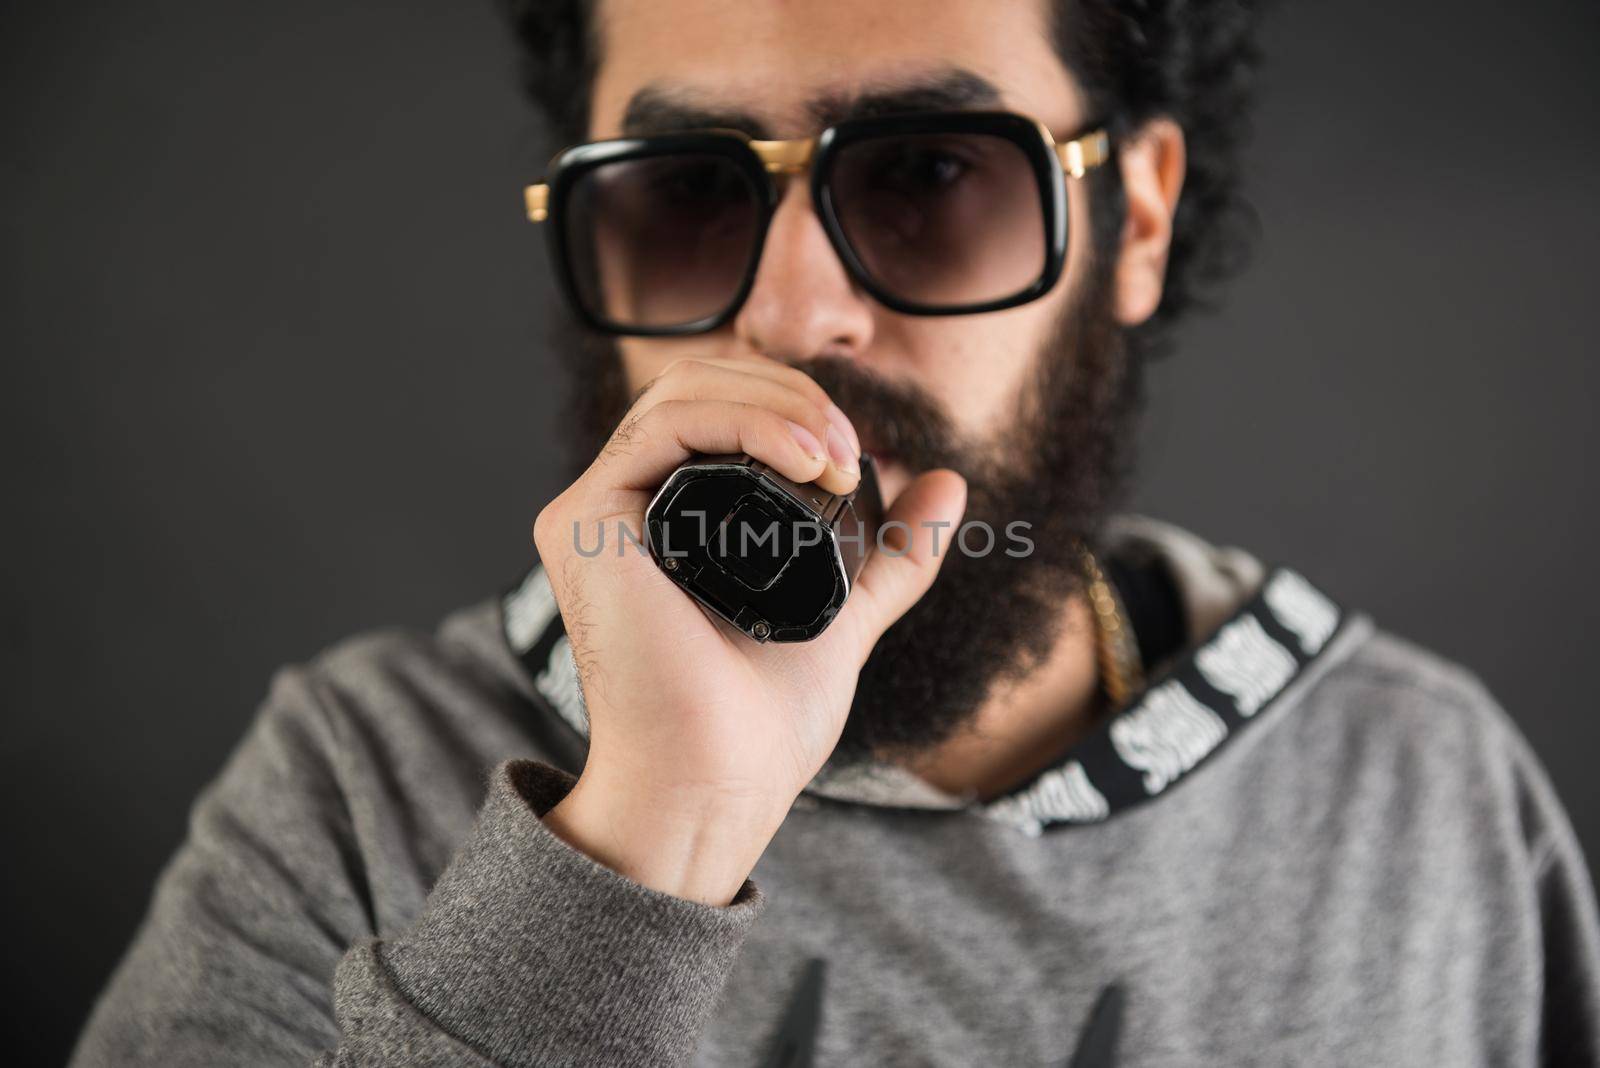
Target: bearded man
{"points": [[1117, 796]]}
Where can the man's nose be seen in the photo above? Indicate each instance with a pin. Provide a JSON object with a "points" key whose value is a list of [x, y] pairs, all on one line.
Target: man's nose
{"points": [[802, 304]]}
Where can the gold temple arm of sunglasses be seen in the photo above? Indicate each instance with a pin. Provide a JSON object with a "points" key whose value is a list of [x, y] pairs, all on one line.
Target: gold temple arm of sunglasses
{"points": [[1082, 154], [1077, 157], [537, 198]]}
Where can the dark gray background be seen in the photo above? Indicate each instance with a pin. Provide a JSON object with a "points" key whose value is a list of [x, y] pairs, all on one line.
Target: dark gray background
{"points": [[273, 374]]}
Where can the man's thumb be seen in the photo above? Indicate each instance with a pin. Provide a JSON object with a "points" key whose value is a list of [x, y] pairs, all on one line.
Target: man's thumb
{"points": [[913, 541]]}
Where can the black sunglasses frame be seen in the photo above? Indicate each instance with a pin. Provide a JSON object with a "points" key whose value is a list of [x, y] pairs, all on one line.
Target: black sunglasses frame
{"points": [[571, 165]]}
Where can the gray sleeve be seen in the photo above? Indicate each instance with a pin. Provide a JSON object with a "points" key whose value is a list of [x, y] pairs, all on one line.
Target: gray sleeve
{"points": [[534, 954], [1570, 1027], [260, 946]]}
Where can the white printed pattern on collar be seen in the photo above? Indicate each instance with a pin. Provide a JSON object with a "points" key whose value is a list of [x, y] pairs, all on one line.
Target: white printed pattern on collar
{"points": [[1162, 736]]}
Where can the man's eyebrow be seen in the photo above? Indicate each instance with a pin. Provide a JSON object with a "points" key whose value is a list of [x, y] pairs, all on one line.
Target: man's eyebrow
{"points": [[658, 109], [956, 89], [655, 110]]}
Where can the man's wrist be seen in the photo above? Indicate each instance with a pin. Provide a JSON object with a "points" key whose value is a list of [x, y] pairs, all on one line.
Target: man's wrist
{"points": [[700, 846]]}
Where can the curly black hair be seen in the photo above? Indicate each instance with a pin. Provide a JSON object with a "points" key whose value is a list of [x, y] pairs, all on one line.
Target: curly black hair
{"points": [[1194, 61]]}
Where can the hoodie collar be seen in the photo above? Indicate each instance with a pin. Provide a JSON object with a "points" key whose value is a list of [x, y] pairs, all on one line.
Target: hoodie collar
{"points": [[1258, 637]]}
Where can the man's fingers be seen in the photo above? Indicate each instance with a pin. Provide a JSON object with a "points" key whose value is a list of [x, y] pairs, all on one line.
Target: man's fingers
{"points": [[660, 430], [797, 380], [648, 446], [775, 387], [912, 543]]}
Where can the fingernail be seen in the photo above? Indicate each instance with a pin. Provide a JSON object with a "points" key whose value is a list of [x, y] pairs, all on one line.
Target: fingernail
{"points": [[844, 458], [808, 441], [837, 417]]}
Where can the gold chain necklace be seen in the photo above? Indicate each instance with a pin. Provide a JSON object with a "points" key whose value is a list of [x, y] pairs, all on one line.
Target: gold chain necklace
{"points": [[1116, 649]]}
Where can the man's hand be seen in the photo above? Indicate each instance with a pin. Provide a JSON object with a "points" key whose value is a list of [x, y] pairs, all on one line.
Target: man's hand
{"points": [[699, 738]]}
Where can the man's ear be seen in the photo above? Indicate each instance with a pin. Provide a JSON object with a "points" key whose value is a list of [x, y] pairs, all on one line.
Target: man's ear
{"points": [[1153, 163]]}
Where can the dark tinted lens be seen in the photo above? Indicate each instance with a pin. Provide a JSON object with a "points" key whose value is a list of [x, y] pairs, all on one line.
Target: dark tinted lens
{"points": [[941, 220], [661, 241]]}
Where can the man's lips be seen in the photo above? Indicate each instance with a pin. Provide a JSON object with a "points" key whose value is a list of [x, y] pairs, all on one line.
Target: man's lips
{"points": [[892, 474], [877, 450], [881, 457]]}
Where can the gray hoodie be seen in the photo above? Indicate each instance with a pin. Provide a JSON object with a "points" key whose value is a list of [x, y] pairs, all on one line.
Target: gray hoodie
{"points": [[1306, 842]]}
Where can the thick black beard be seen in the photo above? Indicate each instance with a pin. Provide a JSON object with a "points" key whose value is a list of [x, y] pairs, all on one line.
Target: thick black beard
{"points": [[992, 618], [988, 619]]}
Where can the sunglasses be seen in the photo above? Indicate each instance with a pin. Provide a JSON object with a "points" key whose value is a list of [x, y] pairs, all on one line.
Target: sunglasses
{"points": [[946, 213]]}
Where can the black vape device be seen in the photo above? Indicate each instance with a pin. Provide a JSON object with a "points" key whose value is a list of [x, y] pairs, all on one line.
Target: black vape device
{"points": [[773, 557]]}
